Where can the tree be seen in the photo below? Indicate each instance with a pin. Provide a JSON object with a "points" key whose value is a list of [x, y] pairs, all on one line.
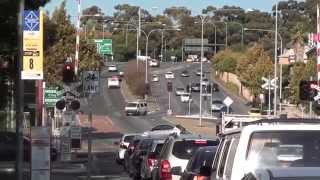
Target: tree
{"points": [[296, 77], [253, 67]]}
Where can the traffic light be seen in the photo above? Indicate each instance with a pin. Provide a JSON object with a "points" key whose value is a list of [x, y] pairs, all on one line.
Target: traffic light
{"points": [[305, 90], [169, 86], [68, 73]]}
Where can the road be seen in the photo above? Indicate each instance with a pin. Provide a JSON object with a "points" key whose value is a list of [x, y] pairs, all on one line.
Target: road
{"points": [[110, 103]]}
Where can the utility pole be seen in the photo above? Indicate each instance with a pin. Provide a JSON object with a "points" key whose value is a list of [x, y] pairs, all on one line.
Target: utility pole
{"points": [[269, 94], [19, 97], [201, 69], [275, 60], [89, 139], [310, 103], [162, 46]]}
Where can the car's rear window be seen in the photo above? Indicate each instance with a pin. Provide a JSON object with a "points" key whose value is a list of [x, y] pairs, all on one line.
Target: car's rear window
{"points": [[202, 158], [158, 148], [128, 138], [131, 104], [185, 149]]}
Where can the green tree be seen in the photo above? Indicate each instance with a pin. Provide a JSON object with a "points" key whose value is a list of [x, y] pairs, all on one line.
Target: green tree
{"points": [[255, 65], [297, 75]]}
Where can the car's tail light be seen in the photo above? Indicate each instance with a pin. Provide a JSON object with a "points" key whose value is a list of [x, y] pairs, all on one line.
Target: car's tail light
{"points": [[165, 170], [200, 141], [200, 178], [123, 146], [131, 149], [151, 160]]}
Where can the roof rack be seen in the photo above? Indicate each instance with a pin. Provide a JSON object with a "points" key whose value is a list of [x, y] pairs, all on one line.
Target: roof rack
{"points": [[234, 121]]}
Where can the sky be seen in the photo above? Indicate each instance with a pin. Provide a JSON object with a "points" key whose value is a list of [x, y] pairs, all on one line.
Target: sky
{"points": [[195, 6]]}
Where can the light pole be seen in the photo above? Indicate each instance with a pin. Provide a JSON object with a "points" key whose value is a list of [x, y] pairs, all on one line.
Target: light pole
{"points": [[201, 68], [147, 44]]}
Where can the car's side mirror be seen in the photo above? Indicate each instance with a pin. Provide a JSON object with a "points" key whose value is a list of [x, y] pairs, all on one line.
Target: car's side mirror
{"points": [[177, 170], [205, 171]]}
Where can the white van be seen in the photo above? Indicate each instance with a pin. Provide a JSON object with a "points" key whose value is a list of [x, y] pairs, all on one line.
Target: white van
{"points": [[136, 108]]}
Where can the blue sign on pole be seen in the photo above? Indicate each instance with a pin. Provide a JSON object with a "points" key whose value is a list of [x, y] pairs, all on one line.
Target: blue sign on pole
{"points": [[31, 20]]}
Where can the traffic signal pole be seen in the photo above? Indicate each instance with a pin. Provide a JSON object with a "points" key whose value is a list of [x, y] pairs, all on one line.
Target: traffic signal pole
{"points": [[19, 97], [89, 139]]}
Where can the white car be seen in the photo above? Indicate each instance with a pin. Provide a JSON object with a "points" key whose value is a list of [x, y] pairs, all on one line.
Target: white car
{"points": [[154, 63], [205, 82], [112, 68], [113, 82], [179, 91], [123, 146], [155, 78], [185, 97], [169, 75]]}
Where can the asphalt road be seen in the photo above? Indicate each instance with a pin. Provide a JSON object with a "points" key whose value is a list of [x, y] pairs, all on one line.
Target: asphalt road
{"points": [[159, 90]]}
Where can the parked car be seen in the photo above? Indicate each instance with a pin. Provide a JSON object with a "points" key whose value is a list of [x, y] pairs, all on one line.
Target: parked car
{"points": [[169, 75], [113, 82], [150, 159], [185, 73], [112, 68], [121, 73], [136, 108], [176, 152], [202, 158], [155, 78], [123, 146], [179, 91], [185, 97]]}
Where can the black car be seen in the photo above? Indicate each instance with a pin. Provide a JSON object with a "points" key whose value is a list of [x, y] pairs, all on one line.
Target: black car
{"points": [[202, 158], [130, 150], [185, 73], [215, 87], [195, 87], [137, 156]]}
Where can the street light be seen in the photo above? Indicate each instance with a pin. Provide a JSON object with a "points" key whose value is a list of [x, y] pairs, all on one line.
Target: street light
{"points": [[275, 62], [147, 43], [266, 30]]}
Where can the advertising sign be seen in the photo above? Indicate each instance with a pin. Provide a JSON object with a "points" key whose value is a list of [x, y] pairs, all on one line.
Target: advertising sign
{"points": [[32, 45]]}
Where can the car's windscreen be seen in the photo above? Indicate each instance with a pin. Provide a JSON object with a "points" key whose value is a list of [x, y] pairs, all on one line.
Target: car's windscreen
{"points": [[284, 149], [185, 149], [162, 127], [128, 138], [131, 105], [201, 158]]}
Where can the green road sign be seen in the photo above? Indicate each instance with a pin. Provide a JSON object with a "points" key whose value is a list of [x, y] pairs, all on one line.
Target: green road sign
{"points": [[104, 46], [51, 96]]}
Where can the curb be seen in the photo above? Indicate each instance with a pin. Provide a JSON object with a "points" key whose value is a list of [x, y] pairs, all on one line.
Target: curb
{"points": [[78, 168]]}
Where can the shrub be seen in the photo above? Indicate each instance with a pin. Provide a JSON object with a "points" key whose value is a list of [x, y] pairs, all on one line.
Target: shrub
{"points": [[135, 79]]}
